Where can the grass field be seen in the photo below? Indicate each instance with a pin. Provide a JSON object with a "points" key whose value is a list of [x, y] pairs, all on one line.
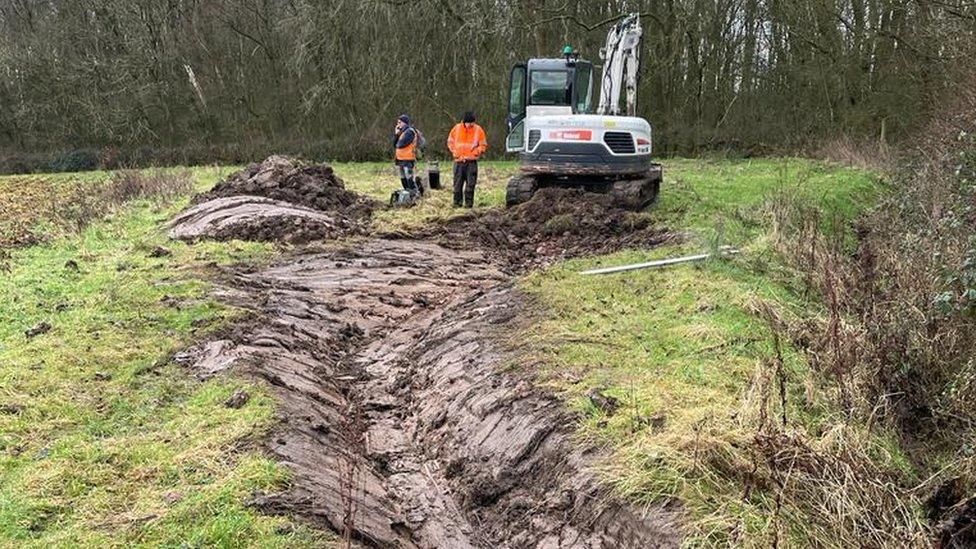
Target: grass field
{"points": [[104, 442], [378, 180]]}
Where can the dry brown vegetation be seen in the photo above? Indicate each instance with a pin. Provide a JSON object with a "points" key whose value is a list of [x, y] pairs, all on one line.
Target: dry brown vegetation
{"points": [[897, 333], [36, 207], [868, 154]]}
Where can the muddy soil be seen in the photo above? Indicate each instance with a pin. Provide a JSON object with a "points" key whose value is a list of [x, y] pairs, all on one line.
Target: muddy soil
{"points": [[291, 180], [399, 419], [284, 199], [281, 199], [555, 224], [260, 219]]}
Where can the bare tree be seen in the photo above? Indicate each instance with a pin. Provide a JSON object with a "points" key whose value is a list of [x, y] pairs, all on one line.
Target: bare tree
{"points": [[200, 80]]}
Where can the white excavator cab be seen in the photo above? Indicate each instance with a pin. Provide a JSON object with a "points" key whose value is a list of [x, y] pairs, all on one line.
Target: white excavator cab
{"points": [[547, 87], [562, 142]]}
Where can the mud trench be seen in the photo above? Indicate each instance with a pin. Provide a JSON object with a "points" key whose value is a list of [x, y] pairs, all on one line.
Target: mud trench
{"points": [[399, 419]]}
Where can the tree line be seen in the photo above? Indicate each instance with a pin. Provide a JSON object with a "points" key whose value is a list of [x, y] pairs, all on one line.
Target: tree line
{"points": [[209, 80]]}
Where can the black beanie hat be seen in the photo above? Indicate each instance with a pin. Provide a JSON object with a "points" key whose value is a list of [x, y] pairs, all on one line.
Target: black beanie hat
{"points": [[468, 117], [404, 118]]}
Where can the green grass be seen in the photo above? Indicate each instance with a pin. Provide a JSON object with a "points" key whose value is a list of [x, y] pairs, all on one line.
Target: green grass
{"points": [[378, 180], [686, 352], [729, 200], [103, 442], [37, 208], [714, 198]]}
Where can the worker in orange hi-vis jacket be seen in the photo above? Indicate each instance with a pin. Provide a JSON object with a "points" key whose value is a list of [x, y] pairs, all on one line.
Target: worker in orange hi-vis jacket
{"points": [[467, 143]]}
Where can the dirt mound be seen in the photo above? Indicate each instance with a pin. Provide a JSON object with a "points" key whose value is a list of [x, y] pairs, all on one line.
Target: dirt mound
{"points": [[257, 218], [555, 224], [314, 186], [400, 423], [282, 200]]}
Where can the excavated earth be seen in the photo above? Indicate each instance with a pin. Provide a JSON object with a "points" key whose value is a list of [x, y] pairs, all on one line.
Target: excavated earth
{"points": [[401, 418], [261, 219], [287, 179], [281, 199], [555, 224]]}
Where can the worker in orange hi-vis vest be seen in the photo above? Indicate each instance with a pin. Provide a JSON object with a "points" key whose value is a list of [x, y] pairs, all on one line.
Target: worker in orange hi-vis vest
{"points": [[405, 158], [467, 143]]}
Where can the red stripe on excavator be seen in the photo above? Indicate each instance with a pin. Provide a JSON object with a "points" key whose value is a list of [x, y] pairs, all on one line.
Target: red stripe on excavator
{"points": [[572, 135]]}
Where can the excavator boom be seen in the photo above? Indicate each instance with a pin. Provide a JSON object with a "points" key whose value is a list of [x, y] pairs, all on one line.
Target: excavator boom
{"points": [[621, 57]]}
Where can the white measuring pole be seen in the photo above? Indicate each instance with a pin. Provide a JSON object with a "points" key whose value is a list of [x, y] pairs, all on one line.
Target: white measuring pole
{"points": [[724, 250]]}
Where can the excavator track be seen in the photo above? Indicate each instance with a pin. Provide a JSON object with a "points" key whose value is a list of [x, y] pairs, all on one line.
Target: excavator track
{"points": [[637, 194], [520, 189], [633, 194]]}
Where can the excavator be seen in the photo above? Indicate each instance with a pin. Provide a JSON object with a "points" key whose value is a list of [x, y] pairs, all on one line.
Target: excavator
{"points": [[563, 141]]}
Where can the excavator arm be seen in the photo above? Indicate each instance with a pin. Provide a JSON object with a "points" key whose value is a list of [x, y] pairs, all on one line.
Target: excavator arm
{"points": [[621, 57]]}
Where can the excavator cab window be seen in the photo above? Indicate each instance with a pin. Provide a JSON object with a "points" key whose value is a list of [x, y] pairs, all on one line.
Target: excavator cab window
{"points": [[516, 95], [570, 87], [583, 89], [515, 141], [550, 88]]}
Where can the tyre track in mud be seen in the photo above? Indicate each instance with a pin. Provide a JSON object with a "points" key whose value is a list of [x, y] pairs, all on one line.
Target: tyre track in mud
{"points": [[397, 418]]}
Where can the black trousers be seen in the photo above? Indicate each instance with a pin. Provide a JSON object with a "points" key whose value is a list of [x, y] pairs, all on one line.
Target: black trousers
{"points": [[465, 179]]}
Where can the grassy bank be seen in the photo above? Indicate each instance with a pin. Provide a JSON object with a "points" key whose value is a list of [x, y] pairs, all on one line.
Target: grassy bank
{"points": [[710, 391], [103, 441]]}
